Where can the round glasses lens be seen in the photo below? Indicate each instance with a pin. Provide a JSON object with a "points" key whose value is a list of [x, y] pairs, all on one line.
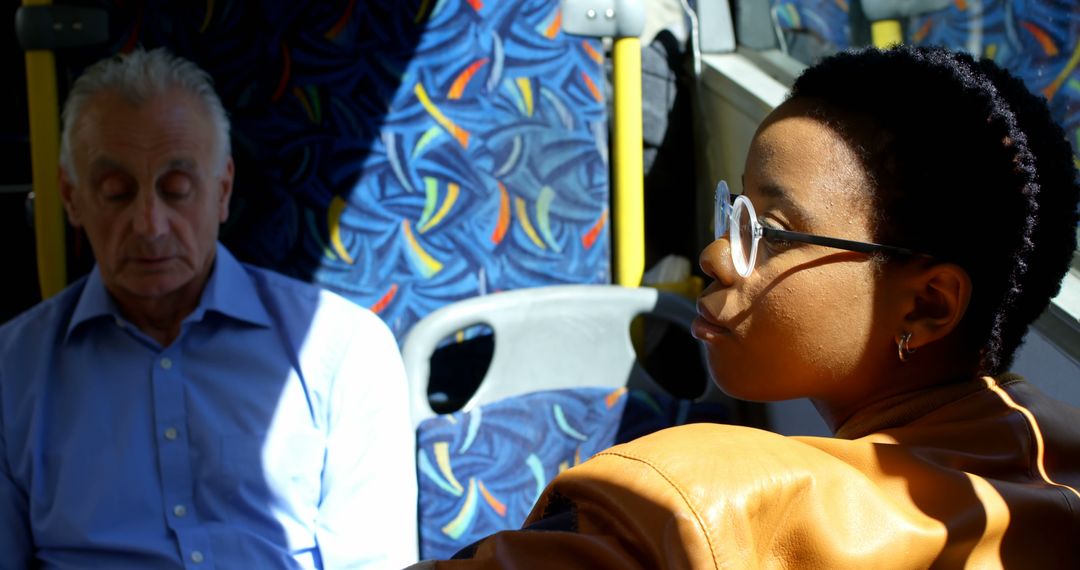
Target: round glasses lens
{"points": [[746, 238], [742, 236], [721, 210]]}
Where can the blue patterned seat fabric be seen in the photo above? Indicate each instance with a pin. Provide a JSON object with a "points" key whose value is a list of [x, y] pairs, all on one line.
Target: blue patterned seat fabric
{"points": [[403, 154], [1038, 40], [481, 471]]}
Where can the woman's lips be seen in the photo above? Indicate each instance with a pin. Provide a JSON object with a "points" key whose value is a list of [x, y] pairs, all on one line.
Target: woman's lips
{"points": [[705, 328]]}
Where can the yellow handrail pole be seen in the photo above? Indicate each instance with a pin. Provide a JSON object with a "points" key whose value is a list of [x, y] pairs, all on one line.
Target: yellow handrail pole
{"points": [[44, 158], [629, 177], [885, 33]]}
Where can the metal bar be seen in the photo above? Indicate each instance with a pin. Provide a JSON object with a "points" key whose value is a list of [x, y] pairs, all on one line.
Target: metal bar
{"points": [[886, 33], [629, 177], [44, 157], [16, 188]]}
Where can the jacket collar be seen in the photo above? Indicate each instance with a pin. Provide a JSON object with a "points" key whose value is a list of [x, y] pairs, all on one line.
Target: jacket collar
{"points": [[902, 409]]}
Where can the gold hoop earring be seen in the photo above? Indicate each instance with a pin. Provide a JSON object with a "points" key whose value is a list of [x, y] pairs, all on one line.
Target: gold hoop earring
{"points": [[902, 348]]}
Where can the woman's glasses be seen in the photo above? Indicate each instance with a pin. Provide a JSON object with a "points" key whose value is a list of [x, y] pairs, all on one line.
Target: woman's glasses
{"points": [[748, 231]]}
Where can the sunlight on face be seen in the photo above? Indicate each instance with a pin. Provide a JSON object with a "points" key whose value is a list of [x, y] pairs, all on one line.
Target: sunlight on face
{"points": [[798, 326]]}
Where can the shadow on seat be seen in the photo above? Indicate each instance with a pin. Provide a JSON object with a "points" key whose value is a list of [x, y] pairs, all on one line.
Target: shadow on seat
{"points": [[563, 384]]}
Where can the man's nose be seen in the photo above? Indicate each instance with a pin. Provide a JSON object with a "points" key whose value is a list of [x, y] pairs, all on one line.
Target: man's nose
{"points": [[150, 215]]}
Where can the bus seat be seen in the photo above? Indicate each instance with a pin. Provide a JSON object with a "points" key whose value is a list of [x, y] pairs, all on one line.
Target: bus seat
{"points": [[563, 384], [1037, 42], [404, 154], [810, 29], [1028, 39]]}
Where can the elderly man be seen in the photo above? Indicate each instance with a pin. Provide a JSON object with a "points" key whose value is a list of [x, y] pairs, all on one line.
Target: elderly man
{"points": [[176, 408]]}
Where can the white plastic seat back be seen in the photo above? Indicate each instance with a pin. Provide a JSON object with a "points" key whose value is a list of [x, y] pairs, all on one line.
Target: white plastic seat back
{"points": [[546, 338]]}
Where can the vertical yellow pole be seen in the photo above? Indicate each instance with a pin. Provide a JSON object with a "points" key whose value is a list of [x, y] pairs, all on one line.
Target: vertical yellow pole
{"points": [[629, 177], [44, 157], [885, 33]]}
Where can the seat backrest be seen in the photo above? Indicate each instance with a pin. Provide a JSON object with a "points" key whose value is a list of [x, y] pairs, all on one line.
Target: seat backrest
{"points": [[563, 384], [546, 338], [403, 154], [1037, 42], [480, 472]]}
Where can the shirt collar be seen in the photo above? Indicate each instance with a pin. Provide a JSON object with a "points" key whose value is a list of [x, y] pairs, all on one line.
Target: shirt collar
{"points": [[229, 291], [94, 302]]}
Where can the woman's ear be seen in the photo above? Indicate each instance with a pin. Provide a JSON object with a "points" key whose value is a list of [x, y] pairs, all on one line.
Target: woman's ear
{"points": [[937, 298]]}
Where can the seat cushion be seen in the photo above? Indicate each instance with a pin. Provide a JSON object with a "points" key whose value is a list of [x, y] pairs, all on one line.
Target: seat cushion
{"points": [[481, 471]]}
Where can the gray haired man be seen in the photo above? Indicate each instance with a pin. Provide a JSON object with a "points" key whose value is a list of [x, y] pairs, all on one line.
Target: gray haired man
{"points": [[176, 408]]}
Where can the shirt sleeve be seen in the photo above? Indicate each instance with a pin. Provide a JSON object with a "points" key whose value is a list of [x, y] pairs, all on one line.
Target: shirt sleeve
{"points": [[367, 517], [15, 538]]}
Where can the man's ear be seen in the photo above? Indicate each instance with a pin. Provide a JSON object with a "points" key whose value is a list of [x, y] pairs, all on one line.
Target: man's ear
{"points": [[937, 299], [67, 191], [226, 182]]}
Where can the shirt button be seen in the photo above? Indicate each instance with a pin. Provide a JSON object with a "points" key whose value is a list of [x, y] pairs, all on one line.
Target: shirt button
{"points": [[170, 433], [166, 363], [196, 557], [180, 511]]}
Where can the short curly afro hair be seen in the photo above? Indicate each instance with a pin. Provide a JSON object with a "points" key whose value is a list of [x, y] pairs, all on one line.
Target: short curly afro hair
{"points": [[964, 164]]}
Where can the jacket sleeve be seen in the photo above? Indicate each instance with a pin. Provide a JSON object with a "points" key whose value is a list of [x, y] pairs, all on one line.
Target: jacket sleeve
{"points": [[720, 496]]}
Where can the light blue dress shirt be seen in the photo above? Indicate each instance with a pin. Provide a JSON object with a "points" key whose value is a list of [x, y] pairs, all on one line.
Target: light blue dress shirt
{"points": [[272, 433]]}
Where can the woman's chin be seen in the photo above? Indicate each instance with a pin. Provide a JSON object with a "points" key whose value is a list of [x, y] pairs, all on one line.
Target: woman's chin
{"points": [[741, 390]]}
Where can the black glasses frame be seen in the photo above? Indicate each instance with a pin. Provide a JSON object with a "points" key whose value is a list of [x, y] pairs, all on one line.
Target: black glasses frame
{"points": [[723, 221], [837, 243]]}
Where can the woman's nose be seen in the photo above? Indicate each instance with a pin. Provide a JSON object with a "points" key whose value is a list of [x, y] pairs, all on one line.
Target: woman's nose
{"points": [[715, 261]]}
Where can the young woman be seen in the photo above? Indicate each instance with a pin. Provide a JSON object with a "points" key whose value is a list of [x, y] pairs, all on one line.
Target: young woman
{"points": [[905, 216]]}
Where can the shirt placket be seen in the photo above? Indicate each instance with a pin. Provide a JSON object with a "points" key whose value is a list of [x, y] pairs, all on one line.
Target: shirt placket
{"points": [[174, 461]]}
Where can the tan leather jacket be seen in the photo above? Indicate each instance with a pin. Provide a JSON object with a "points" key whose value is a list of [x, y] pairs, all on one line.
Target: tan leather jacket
{"points": [[978, 475]]}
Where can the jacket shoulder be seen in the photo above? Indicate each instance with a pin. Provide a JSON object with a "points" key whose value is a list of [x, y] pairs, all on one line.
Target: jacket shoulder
{"points": [[736, 497]]}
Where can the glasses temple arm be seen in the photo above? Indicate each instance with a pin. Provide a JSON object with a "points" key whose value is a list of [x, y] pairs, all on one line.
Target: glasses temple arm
{"points": [[837, 243]]}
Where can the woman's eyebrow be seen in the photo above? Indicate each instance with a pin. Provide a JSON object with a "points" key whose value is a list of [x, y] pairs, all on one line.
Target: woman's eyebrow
{"points": [[798, 216]]}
